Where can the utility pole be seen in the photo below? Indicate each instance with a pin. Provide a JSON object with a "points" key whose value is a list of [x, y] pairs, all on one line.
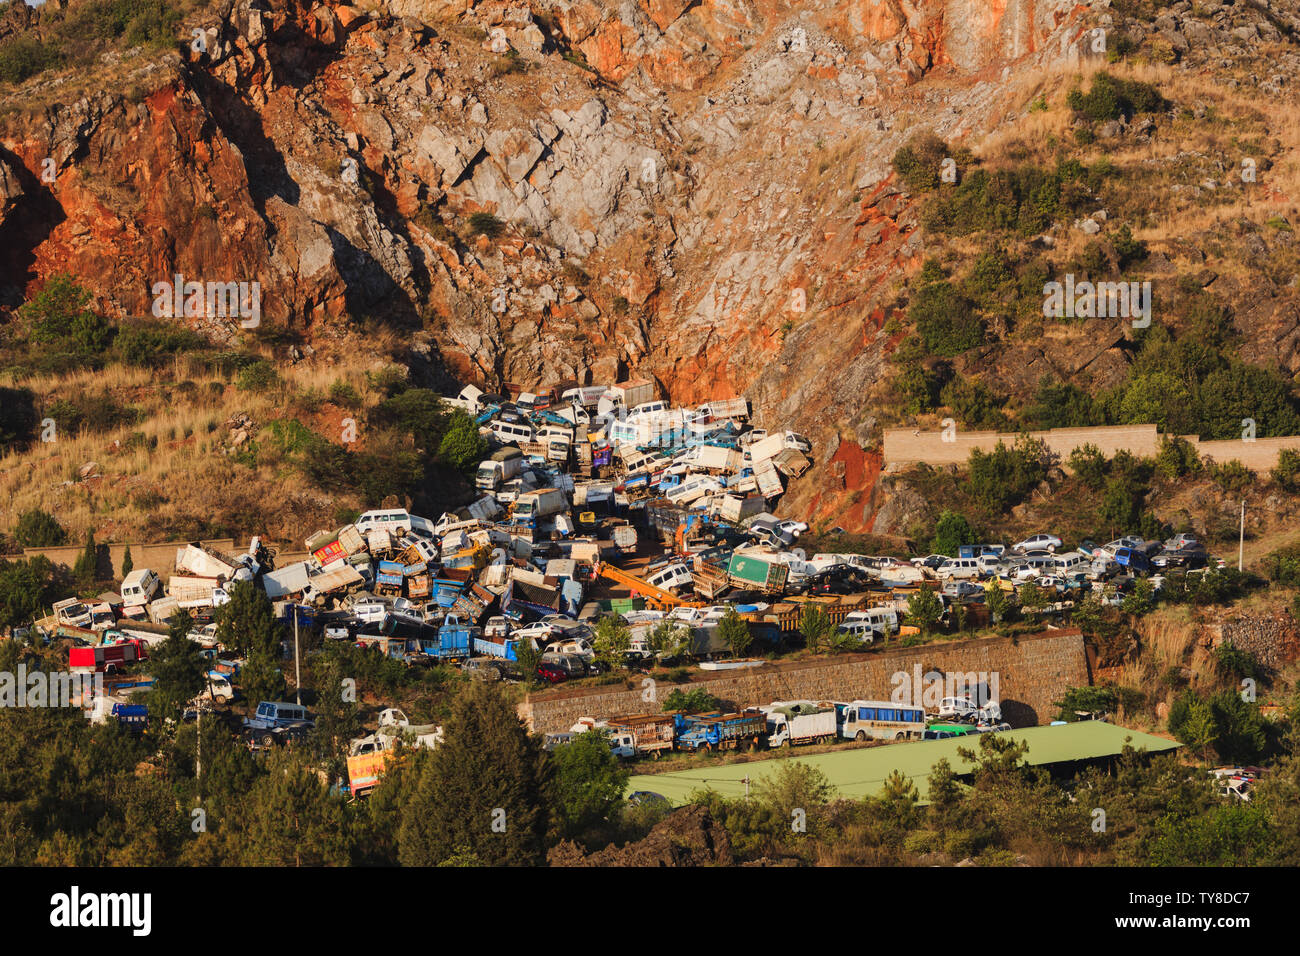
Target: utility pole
{"points": [[1241, 536], [297, 671]]}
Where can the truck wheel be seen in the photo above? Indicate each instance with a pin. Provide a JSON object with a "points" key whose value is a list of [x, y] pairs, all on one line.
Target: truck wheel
{"points": [[900, 736], [268, 740], [785, 743], [862, 735], [654, 755]]}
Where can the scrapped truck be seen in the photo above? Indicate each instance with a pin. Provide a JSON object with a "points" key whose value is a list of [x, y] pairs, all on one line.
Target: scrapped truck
{"points": [[792, 723], [753, 572], [73, 612], [455, 641], [651, 734], [107, 658], [534, 506], [339, 579], [506, 464], [723, 731]]}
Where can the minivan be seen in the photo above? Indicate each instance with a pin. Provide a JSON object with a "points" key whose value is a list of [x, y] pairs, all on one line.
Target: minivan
{"points": [[508, 433], [272, 714], [140, 587], [863, 631], [1132, 560], [648, 408], [959, 568], [1070, 562], [675, 575], [883, 619], [392, 520]]}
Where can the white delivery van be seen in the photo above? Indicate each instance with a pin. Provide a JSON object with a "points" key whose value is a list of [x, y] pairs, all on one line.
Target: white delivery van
{"points": [[863, 631], [140, 587], [882, 619]]}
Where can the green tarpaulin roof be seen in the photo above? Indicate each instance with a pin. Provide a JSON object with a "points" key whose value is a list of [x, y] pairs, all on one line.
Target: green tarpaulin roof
{"points": [[862, 771]]}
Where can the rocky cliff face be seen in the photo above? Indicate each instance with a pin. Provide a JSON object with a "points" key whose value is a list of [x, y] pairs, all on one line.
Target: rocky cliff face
{"points": [[699, 191]]}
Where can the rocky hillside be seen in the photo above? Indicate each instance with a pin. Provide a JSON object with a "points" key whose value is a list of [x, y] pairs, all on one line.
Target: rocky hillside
{"points": [[529, 192]]}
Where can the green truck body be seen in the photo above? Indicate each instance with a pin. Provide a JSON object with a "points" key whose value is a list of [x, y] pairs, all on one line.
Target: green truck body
{"points": [[756, 572]]}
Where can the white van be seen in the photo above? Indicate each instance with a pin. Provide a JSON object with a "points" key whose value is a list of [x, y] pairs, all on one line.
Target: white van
{"points": [[393, 520], [674, 575], [370, 612], [958, 568], [510, 433], [648, 408], [1071, 562], [692, 489], [882, 619], [645, 461], [140, 587], [863, 631]]}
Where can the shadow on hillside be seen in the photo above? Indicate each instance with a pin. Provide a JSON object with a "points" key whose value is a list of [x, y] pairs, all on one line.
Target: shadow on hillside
{"points": [[29, 222]]}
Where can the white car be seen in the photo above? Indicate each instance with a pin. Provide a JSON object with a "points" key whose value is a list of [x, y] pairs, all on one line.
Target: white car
{"points": [[793, 528], [1038, 542]]}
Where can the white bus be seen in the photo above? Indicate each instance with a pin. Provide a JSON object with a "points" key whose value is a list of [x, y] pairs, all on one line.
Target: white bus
{"points": [[879, 720]]}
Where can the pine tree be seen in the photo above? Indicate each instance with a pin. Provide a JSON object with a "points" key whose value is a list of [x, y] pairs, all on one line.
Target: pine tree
{"points": [[482, 791], [87, 564], [178, 670], [127, 564], [289, 818], [337, 718], [247, 622]]}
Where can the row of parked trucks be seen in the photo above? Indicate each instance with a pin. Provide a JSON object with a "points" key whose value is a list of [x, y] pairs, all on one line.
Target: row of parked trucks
{"points": [[775, 725]]}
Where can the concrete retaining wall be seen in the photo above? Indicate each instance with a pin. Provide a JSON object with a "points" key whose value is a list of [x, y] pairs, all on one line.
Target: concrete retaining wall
{"points": [[1033, 671]]}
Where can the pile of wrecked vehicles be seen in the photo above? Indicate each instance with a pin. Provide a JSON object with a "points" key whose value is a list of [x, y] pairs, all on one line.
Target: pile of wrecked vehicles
{"points": [[591, 501]]}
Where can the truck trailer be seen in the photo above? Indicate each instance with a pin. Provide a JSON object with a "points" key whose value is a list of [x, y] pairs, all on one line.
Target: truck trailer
{"points": [[790, 723]]}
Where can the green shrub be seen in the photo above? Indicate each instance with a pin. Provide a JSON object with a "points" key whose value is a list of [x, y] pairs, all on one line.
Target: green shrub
{"points": [[919, 161], [1112, 97], [485, 224], [695, 701], [945, 319], [23, 56], [1003, 477], [344, 395], [150, 344], [39, 529], [259, 376], [59, 315], [1288, 467]]}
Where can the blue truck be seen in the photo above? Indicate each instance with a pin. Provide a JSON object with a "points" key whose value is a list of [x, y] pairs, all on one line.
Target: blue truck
{"points": [[723, 731], [503, 649], [455, 641], [446, 591]]}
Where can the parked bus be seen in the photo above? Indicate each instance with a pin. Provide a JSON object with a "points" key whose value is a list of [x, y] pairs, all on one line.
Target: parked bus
{"points": [[879, 720]]}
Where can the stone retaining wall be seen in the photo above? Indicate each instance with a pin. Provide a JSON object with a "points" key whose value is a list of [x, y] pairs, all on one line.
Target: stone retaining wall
{"points": [[1032, 671]]}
